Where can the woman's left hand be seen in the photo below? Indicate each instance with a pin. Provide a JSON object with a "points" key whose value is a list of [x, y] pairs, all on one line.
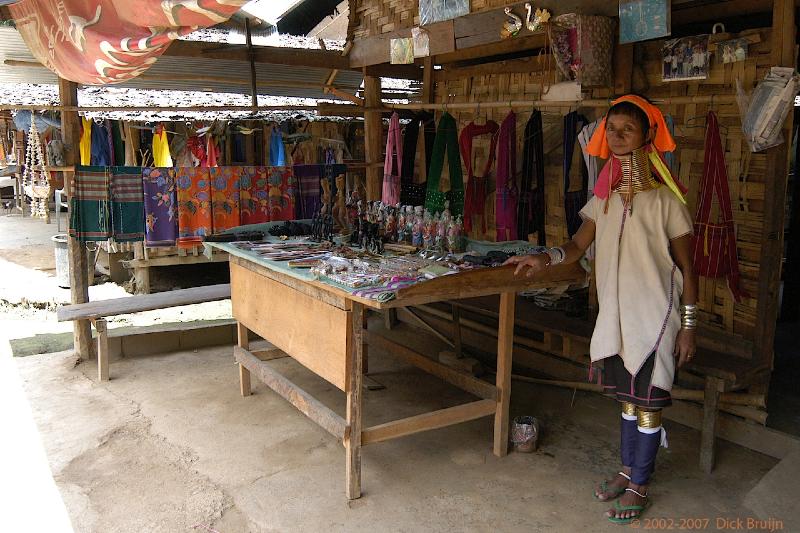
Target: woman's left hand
{"points": [[685, 346]]}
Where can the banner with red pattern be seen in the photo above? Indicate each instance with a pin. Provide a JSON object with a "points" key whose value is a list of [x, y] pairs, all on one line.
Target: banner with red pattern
{"points": [[97, 42]]}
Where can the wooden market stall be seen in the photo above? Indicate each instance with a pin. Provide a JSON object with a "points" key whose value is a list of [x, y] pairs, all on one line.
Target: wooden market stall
{"points": [[474, 71]]}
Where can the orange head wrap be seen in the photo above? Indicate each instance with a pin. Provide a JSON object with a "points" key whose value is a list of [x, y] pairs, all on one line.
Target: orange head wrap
{"points": [[662, 140]]}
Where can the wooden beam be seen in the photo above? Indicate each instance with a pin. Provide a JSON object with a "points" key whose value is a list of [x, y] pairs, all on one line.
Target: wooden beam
{"points": [[78, 260], [375, 50], [783, 55], [461, 380], [509, 46], [427, 421], [373, 137], [304, 402], [428, 83], [275, 55], [175, 260], [509, 66]]}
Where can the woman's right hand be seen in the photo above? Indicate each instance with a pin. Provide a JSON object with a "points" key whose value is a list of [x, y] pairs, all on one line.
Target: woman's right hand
{"points": [[534, 263]]}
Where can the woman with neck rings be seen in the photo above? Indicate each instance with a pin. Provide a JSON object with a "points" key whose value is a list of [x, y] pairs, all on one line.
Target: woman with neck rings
{"points": [[646, 286]]}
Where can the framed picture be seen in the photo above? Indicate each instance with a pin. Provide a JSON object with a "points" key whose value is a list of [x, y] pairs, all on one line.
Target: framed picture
{"points": [[685, 58], [431, 11], [731, 51], [640, 20]]}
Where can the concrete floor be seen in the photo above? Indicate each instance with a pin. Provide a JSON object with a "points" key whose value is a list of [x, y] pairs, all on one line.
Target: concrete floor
{"points": [[169, 445]]}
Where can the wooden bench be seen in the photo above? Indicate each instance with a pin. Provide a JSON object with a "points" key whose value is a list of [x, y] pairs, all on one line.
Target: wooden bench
{"points": [[96, 312], [723, 373]]}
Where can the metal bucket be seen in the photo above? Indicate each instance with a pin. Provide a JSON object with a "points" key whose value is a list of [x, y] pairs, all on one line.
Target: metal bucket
{"points": [[62, 260]]}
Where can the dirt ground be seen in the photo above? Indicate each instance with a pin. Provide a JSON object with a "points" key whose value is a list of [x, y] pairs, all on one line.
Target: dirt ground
{"points": [[170, 445]]}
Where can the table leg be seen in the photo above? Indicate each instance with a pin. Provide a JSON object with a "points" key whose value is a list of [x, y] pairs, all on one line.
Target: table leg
{"points": [[244, 374], [352, 442], [505, 345]]}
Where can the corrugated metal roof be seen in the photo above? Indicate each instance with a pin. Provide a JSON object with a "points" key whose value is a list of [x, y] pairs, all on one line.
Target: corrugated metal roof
{"points": [[190, 74]]}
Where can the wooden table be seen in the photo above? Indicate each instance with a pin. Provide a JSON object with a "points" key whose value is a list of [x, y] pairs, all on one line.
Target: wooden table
{"points": [[285, 310]]}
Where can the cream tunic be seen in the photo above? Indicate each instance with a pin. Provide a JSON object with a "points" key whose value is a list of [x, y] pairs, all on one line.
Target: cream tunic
{"points": [[638, 283]]}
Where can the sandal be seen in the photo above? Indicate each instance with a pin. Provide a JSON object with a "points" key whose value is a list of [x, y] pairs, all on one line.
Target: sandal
{"points": [[639, 508], [615, 492]]}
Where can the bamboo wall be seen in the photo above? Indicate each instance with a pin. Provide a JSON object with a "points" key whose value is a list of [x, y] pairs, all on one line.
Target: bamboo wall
{"points": [[374, 17], [726, 325]]}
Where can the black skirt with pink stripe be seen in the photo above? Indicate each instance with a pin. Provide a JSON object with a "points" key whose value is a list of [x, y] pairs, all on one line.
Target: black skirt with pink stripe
{"points": [[616, 381]]}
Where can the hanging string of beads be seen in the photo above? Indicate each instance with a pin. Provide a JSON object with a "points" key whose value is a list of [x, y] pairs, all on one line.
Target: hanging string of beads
{"points": [[34, 176]]}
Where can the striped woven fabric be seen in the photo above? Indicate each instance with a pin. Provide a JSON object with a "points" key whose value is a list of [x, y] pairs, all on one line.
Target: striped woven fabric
{"points": [[90, 215], [127, 204]]}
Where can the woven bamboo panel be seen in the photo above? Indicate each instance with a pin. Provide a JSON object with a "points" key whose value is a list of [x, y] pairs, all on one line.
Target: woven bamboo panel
{"points": [[746, 171], [375, 17]]}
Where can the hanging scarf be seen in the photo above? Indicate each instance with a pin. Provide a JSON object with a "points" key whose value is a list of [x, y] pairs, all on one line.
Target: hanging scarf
{"points": [[85, 145], [530, 212], [100, 150], [715, 244], [662, 139], [393, 163], [308, 196], [506, 193], [161, 216], [446, 141], [475, 201], [662, 142], [277, 152], [573, 200], [161, 155], [414, 193]]}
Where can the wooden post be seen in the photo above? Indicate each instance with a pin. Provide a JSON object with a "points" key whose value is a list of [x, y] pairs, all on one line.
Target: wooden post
{"points": [[101, 326], [244, 375], [709, 431], [78, 263], [783, 47], [352, 441], [251, 58], [457, 346], [505, 346], [373, 137], [428, 81]]}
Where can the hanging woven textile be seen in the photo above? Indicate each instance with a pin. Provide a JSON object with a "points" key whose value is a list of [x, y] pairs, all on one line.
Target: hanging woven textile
{"points": [[446, 142], [193, 193], [34, 176], [506, 193], [573, 200], [282, 193], [715, 243], [393, 163], [530, 211], [160, 211], [475, 200], [253, 194], [224, 197], [90, 204], [308, 190], [414, 193], [127, 207]]}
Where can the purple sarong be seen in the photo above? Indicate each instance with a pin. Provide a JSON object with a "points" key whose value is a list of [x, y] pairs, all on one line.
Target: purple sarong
{"points": [[161, 220]]}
